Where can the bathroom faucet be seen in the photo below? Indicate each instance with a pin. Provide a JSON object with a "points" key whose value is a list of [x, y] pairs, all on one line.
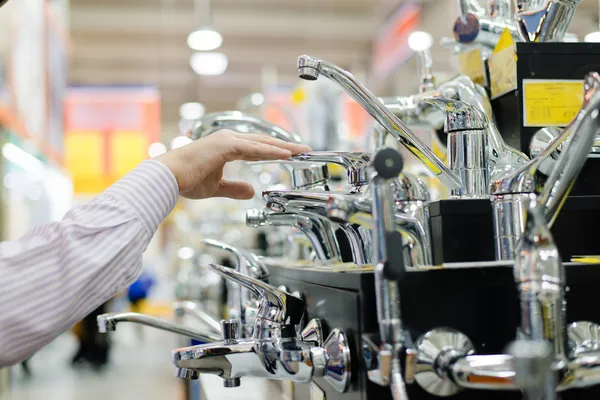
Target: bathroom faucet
{"points": [[182, 308], [276, 350], [551, 174], [108, 323], [544, 21], [310, 69], [239, 122], [241, 304]]}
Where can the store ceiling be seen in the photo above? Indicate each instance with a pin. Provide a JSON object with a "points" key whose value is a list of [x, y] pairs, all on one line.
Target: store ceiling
{"points": [[144, 42]]}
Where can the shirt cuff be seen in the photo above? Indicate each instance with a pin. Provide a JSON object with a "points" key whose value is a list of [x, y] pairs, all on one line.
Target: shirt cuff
{"points": [[150, 190]]}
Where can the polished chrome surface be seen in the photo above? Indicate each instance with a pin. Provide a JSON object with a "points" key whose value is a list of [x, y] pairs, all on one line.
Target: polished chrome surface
{"points": [[425, 65], [189, 307], [583, 337], [231, 330], [433, 347], [186, 373], [313, 332], [548, 22], [239, 122], [274, 305], [304, 175], [319, 232], [560, 173], [271, 357], [509, 215], [108, 323], [467, 146], [541, 139], [310, 68], [355, 163], [533, 368]]}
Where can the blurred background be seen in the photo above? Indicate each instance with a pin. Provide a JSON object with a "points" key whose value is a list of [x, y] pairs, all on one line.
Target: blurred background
{"points": [[90, 88]]}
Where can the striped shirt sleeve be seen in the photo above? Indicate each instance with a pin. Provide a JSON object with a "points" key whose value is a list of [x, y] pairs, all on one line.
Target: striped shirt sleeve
{"points": [[59, 272]]}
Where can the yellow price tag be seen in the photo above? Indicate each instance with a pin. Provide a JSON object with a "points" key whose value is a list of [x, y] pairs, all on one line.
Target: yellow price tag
{"points": [[504, 42], [471, 64], [551, 102], [503, 72]]}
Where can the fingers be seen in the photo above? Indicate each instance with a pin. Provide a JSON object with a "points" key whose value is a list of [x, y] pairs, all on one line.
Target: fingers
{"points": [[235, 190], [295, 148], [248, 150]]}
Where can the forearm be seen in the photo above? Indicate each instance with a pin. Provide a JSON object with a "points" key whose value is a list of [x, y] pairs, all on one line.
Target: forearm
{"points": [[59, 272]]}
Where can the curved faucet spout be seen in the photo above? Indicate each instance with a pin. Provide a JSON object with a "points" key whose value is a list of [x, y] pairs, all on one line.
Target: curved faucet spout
{"points": [[310, 69], [239, 122]]}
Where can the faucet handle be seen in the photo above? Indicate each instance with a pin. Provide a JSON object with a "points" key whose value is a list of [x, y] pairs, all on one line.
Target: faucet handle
{"points": [[356, 163], [460, 116], [303, 174], [274, 305]]}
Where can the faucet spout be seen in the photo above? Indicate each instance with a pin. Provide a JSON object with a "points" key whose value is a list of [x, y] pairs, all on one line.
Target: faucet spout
{"points": [[239, 122], [108, 322], [310, 69]]}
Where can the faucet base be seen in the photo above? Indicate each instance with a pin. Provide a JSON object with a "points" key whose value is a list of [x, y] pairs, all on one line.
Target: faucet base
{"points": [[434, 348]]}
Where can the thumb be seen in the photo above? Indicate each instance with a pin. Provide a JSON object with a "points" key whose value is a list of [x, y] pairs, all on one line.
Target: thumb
{"points": [[235, 190]]}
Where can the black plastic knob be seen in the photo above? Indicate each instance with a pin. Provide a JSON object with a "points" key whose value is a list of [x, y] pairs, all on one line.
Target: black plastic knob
{"points": [[394, 268], [388, 163]]}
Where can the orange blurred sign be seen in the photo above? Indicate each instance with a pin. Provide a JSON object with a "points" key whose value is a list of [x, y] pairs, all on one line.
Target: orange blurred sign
{"points": [[390, 49], [108, 131]]}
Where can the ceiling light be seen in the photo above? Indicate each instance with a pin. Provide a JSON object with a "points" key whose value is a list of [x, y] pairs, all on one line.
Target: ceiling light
{"points": [[420, 41], [191, 111], [156, 149], [592, 37], [179, 141], [209, 63], [257, 99], [204, 39]]}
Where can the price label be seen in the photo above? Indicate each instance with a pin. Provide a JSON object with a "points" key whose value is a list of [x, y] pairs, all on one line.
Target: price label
{"points": [[471, 65], [551, 102], [503, 72]]}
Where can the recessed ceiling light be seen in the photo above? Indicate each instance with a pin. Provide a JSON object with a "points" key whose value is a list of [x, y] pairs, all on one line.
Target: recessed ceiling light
{"points": [[191, 111], [205, 39], [209, 63]]}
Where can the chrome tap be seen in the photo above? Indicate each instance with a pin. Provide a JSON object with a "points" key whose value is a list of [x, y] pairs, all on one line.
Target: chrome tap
{"points": [[533, 369], [304, 175], [276, 350], [318, 232], [411, 217], [241, 303], [467, 146], [108, 323], [551, 174], [239, 122], [182, 308], [544, 21], [310, 69]]}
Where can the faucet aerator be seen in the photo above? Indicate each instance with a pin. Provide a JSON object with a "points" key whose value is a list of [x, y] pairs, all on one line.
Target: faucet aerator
{"points": [[308, 73]]}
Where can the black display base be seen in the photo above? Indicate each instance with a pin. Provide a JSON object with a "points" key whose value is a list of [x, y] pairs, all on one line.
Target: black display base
{"points": [[480, 302]]}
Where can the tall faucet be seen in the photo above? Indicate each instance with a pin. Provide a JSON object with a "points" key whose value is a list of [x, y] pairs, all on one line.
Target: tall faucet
{"points": [[310, 68], [276, 350], [241, 304], [545, 175], [544, 21], [108, 323], [239, 122]]}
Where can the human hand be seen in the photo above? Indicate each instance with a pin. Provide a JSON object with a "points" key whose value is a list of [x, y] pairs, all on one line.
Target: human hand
{"points": [[198, 166]]}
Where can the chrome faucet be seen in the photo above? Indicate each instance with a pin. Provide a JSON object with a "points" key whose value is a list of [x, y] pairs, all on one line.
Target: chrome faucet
{"points": [[108, 323], [533, 368], [239, 122], [310, 69], [241, 304], [545, 20], [320, 234], [185, 307], [303, 175], [276, 350], [551, 174]]}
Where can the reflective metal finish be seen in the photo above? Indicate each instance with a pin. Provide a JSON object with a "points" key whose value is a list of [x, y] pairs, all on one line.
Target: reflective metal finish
{"points": [[239, 122], [509, 215], [433, 347], [425, 65], [467, 146], [545, 22], [319, 232], [583, 337], [189, 307], [304, 175], [310, 69], [230, 330], [355, 163], [108, 323], [313, 332], [533, 368]]}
